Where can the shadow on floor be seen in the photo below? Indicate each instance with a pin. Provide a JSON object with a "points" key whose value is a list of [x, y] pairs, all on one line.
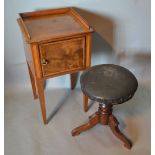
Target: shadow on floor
{"points": [[59, 105]]}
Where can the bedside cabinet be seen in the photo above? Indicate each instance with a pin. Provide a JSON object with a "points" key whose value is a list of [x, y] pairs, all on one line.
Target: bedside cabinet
{"points": [[57, 42]]}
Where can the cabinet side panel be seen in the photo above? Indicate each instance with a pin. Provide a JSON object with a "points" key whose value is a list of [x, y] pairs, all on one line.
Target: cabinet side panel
{"points": [[28, 54], [36, 61]]}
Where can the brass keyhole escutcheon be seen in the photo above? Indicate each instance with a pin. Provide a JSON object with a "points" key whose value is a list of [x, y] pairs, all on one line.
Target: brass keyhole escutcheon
{"points": [[44, 61]]}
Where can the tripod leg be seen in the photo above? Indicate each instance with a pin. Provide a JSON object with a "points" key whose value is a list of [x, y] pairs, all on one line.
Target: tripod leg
{"points": [[113, 123], [91, 123], [91, 116]]}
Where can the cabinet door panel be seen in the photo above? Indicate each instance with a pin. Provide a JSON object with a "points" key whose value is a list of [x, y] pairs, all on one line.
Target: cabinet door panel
{"points": [[62, 56]]}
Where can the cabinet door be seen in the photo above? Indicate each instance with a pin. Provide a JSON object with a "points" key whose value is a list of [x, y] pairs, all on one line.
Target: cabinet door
{"points": [[62, 56]]}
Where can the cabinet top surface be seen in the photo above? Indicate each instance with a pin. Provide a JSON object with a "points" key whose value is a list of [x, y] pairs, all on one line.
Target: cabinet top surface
{"points": [[49, 24]]}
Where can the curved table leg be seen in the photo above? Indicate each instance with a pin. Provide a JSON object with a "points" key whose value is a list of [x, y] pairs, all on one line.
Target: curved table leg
{"points": [[91, 123], [91, 116], [113, 123]]}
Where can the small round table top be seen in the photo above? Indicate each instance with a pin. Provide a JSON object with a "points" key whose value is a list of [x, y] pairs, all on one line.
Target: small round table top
{"points": [[108, 84]]}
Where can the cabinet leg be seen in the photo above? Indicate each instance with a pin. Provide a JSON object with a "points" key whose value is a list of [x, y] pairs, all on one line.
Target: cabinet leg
{"points": [[73, 80], [32, 79], [40, 86], [45, 84], [85, 102]]}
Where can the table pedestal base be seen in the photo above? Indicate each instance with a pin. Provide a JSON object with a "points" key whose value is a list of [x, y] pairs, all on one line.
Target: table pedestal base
{"points": [[104, 116]]}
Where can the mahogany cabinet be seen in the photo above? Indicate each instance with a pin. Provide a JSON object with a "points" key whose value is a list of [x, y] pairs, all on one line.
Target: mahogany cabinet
{"points": [[57, 42]]}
